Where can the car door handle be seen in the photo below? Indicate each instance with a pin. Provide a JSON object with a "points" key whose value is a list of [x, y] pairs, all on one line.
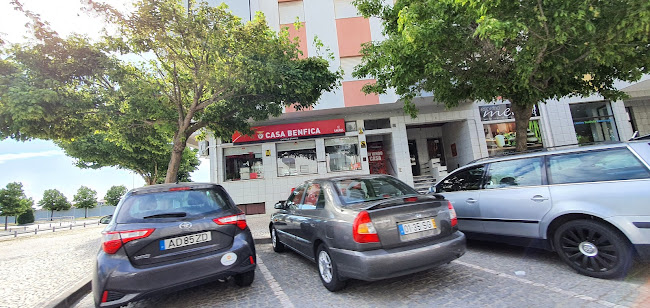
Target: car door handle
{"points": [[538, 198], [471, 200]]}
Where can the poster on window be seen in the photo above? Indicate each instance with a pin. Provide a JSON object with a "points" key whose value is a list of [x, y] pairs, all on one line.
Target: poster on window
{"points": [[377, 158], [501, 138]]}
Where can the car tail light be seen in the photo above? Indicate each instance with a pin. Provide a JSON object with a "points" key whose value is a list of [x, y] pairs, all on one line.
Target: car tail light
{"points": [[239, 220], [113, 240], [411, 199], [452, 214], [105, 297], [363, 230]]}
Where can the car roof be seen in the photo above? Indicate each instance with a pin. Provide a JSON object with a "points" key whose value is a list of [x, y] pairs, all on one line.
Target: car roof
{"points": [[166, 187], [352, 176], [549, 151]]}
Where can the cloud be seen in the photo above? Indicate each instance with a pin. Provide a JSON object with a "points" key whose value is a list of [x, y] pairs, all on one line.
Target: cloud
{"points": [[8, 157]]}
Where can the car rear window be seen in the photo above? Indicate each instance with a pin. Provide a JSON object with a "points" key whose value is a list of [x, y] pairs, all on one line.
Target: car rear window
{"points": [[352, 191], [152, 207]]}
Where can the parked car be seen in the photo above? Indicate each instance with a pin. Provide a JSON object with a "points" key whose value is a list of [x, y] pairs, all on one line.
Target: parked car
{"points": [[105, 219], [590, 204], [366, 227], [168, 237]]}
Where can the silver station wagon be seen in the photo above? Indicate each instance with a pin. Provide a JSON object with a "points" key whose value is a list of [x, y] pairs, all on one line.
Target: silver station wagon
{"points": [[590, 204], [366, 227]]}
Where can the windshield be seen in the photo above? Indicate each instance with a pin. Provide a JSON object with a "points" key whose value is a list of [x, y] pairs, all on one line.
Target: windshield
{"points": [[361, 190], [171, 204]]}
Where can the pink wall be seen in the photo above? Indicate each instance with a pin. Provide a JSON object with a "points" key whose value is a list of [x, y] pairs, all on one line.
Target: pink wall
{"points": [[352, 32], [301, 34], [353, 96]]}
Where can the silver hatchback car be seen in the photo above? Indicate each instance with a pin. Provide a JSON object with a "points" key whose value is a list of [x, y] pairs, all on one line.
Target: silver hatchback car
{"points": [[590, 204]]}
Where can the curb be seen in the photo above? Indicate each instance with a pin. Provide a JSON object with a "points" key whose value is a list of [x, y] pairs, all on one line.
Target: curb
{"points": [[73, 294], [259, 241], [70, 296]]}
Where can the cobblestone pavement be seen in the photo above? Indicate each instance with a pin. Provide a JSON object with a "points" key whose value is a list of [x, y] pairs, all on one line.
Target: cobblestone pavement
{"points": [[35, 269], [484, 277]]}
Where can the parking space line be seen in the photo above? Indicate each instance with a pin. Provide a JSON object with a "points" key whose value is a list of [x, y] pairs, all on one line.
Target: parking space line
{"points": [[275, 286], [540, 285]]}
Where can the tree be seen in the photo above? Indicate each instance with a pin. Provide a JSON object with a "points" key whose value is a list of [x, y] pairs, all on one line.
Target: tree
{"points": [[54, 200], [148, 157], [13, 201], [209, 71], [526, 51], [85, 198], [114, 194]]}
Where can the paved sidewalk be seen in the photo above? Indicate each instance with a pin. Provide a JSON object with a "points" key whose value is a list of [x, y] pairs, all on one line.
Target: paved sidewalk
{"points": [[35, 269], [44, 227]]}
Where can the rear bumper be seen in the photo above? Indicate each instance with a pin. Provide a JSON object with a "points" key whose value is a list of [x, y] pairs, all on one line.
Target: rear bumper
{"points": [[114, 273], [387, 263]]}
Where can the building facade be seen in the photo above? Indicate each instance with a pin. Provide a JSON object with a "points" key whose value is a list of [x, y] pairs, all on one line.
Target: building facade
{"points": [[349, 132]]}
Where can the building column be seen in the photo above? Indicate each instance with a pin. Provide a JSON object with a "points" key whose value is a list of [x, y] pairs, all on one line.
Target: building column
{"points": [[401, 149]]}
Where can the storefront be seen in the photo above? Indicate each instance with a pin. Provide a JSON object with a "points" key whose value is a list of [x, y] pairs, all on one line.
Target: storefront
{"points": [[260, 170], [499, 128], [594, 122]]}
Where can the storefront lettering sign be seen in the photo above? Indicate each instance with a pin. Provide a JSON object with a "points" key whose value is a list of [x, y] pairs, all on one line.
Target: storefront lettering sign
{"points": [[501, 112], [292, 131]]}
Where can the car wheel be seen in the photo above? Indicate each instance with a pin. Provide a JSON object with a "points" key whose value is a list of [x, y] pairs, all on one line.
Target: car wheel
{"points": [[275, 241], [327, 270], [245, 279], [593, 249]]}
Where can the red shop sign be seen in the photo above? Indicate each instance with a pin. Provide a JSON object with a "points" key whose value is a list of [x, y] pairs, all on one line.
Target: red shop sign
{"points": [[292, 131]]}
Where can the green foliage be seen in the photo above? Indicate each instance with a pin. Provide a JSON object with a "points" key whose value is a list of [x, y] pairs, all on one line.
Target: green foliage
{"points": [[54, 200], [202, 68], [26, 217], [85, 198], [526, 51], [13, 201], [114, 194]]}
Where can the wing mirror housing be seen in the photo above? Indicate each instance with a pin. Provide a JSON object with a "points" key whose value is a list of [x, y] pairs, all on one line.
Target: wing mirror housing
{"points": [[280, 205]]}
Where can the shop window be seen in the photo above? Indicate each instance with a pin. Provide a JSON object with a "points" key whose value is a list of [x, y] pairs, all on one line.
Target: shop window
{"points": [[295, 158], [243, 163], [501, 138], [594, 122], [376, 124], [342, 154]]}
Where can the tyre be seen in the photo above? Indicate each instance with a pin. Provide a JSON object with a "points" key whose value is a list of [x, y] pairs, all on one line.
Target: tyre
{"points": [[593, 248], [245, 279], [275, 241], [327, 270]]}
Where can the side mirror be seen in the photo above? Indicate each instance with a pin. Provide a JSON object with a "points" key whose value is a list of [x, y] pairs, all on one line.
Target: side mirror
{"points": [[280, 205], [106, 219]]}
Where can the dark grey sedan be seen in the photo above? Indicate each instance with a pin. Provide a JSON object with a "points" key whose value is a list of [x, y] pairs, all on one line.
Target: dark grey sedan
{"points": [[366, 227], [172, 236]]}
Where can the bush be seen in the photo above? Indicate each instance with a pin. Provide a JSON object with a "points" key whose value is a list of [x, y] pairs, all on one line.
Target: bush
{"points": [[26, 217]]}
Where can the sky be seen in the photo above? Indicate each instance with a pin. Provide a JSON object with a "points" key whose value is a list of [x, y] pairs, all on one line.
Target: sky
{"points": [[40, 165]]}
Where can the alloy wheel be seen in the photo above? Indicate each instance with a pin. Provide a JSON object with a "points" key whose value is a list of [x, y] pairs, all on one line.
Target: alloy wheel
{"points": [[589, 249], [325, 266]]}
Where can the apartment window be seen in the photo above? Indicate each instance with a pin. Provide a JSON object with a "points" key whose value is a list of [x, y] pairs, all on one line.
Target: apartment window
{"points": [[295, 158], [243, 163], [342, 154]]}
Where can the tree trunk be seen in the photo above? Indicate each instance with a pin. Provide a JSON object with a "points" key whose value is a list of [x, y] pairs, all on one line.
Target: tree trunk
{"points": [[5, 223], [522, 117], [52, 215], [86, 213], [175, 161]]}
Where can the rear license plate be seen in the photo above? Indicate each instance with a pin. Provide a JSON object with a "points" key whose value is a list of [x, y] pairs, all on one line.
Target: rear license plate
{"points": [[186, 240], [417, 226]]}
